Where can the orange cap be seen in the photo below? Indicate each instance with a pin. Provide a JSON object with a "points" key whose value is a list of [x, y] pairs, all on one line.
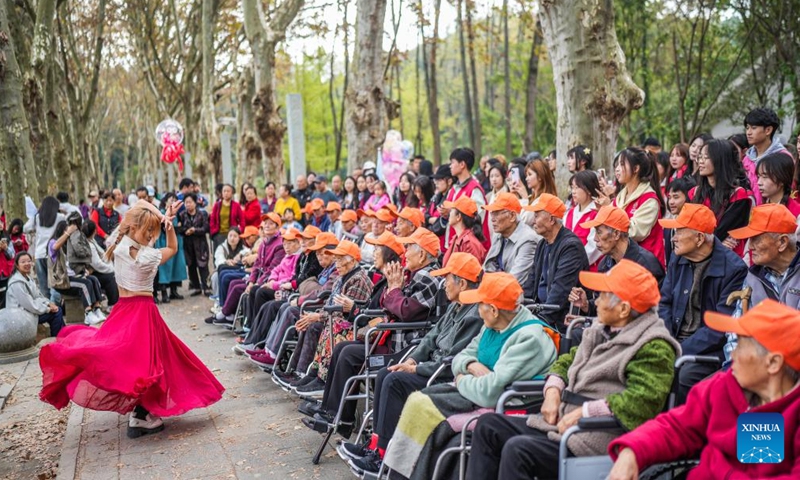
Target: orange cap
{"points": [[349, 216], [367, 212], [772, 324], [315, 204], [413, 215], [629, 281], [426, 239], [391, 207], [384, 215], [325, 239], [333, 206], [291, 234], [611, 217], [273, 217], [548, 203], [499, 289], [310, 231], [695, 216], [346, 247], [504, 201], [463, 204], [250, 231], [387, 239], [767, 218], [462, 265]]}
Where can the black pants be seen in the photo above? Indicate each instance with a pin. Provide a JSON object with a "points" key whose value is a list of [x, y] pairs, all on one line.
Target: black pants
{"points": [[392, 389], [262, 322], [55, 320], [198, 277], [347, 360], [258, 297], [504, 447], [87, 288], [109, 286], [690, 374]]}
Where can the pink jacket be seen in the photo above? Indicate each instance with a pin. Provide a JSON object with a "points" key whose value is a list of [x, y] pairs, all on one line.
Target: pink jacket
{"points": [[707, 426], [284, 272], [375, 203]]}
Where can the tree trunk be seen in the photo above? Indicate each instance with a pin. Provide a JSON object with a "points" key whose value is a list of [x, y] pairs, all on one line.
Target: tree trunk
{"points": [[476, 103], [365, 99], [431, 89], [530, 89], [594, 91], [213, 159], [16, 156], [249, 147], [264, 37], [507, 74], [465, 76]]}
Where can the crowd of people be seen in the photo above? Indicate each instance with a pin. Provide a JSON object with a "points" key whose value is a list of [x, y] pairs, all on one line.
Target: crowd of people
{"points": [[686, 251]]}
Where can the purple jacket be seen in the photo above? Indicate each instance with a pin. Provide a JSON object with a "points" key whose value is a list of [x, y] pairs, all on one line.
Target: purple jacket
{"points": [[284, 272], [270, 254]]}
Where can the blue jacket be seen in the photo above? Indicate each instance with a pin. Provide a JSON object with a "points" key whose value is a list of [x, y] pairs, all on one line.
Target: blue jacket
{"points": [[725, 274]]}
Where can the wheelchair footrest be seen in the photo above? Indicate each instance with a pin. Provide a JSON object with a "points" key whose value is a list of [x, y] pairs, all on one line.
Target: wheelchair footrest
{"points": [[317, 425]]}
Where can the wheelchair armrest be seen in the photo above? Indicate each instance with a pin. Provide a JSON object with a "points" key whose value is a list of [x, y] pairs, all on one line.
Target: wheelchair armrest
{"points": [[606, 422], [543, 308], [333, 308], [373, 312], [528, 386], [706, 359], [448, 360], [401, 326], [415, 342]]}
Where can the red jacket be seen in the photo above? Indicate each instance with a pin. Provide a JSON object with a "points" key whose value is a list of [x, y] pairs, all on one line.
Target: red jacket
{"points": [[707, 426], [252, 214], [237, 218], [467, 242]]}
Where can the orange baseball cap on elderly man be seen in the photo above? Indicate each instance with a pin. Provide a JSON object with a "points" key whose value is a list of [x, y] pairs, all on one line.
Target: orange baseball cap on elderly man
{"points": [[767, 218], [272, 216], [346, 247], [383, 215], [250, 231], [387, 239], [413, 215], [349, 216], [464, 204], [504, 201], [310, 232], [774, 325], [629, 281], [333, 206], [291, 234], [324, 240], [499, 289], [423, 237], [611, 217], [548, 203], [694, 216], [462, 265]]}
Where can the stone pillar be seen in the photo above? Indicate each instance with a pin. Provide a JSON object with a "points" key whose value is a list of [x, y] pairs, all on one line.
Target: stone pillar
{"points": [[297, 138], [227, 163], [17, 335]]}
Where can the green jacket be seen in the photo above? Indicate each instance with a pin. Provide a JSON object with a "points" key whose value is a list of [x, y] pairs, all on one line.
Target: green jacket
{"points": [[526, 353], [450, 335]]}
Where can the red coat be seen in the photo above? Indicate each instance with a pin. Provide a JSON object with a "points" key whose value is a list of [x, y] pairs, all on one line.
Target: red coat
{"points": [[252, 214], [654, 243], [707, 425], [237, 218], [471, 185], [467, 242], [573, 221]]}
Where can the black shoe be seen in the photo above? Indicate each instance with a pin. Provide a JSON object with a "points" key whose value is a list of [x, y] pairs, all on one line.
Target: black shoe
{"points": [[310, 408], [164, 296], [351, 451], [196, 293], [174, 295], [285, 379], [210, 319], [155, 299], [224, 322], [314, 388], [303, 381], [370, 463]]}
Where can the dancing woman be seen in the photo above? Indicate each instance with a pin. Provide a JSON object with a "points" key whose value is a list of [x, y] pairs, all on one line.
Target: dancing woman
{"points": [[133, 363]]}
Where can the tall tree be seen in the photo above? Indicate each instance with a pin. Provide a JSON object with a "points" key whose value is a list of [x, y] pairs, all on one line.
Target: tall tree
{"points": [[594, 91], [465, 75], [264, 34], [213, 158], [16, 156], [429, 49], [365, 99], [476, 103], [507, 75], [530, 87]]}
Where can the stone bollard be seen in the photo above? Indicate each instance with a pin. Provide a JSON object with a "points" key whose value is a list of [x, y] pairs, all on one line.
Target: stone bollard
{"points": [[17, 335]]}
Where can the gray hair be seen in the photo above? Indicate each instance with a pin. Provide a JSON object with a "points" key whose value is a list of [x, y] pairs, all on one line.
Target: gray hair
{"points": [[761, 351], [791, 236], [615, 300]]}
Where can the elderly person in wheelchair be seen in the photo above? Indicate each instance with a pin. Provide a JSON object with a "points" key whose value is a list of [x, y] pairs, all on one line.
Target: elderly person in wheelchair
{"points": [[762, 380], [622, 367], [512, 345], [449, 336]]}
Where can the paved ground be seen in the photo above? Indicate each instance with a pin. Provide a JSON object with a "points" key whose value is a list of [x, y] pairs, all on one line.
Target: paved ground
{"points": [[253, 432]]}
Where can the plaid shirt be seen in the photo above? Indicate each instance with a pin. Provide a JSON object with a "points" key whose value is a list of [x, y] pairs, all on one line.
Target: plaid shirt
{"points": [[413, 303], [356, 286]]}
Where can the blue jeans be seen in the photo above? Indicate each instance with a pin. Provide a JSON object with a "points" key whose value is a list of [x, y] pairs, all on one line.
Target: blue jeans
{"points": [[55, 320], [225, 277]]}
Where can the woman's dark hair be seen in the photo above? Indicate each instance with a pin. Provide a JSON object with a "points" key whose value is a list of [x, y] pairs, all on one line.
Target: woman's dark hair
{"points": [[190, 195], [373, 176], [740, 140], [587, 180], [426, 186], [683, 151], [683, 185], [473, 223], [662, 158], [365, 185], [48, 211], [61, 227], [89, 228], [521, 171], [355, 184], [388, 254], [500, 169], [245, 186], [723, 156], [75, 218], [270, 183], [233, 251], [643, 166], [779, 168], [583, 155], [17, 222], [287, 187], [703, 136], [167, 196], [410, 199], [18, 257]]}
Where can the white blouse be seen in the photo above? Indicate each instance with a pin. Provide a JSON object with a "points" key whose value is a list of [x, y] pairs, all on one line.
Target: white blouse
{"points": [[135, 275]]}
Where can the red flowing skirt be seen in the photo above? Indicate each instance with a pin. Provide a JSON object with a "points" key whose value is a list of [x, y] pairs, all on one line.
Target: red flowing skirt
{"points": [[133, 359]]}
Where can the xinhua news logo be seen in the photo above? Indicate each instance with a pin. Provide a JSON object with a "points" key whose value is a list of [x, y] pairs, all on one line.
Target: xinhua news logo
{"points": [[759, 438]]}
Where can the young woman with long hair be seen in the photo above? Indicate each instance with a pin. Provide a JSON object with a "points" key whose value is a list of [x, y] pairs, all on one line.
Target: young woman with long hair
{"points": [[680, 163], [538, 179], [585, 188], [695, 146], [133, 363], [350, 197], [43, 224], [775, 177]]}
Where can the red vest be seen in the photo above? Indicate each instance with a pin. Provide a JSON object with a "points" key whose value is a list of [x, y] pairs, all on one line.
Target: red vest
{"points": [[574, 224], [471, 185], [653, 243]]}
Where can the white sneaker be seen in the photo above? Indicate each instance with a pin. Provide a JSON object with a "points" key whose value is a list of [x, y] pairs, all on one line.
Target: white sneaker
{"points": [[220, 315], [239, 348], [138, 427], [99, 313], [92, 319]]}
